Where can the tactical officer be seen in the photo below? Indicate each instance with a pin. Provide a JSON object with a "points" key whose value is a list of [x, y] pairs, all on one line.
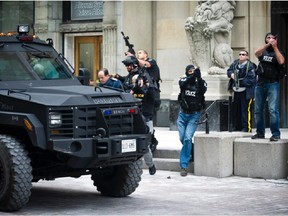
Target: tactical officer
{"points": [[192, 101], [138, 83], [154, 71], [132, 65], [270, 71]]}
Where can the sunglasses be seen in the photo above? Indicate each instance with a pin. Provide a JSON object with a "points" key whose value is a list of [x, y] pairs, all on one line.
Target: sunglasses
{"points": [[242, 54]]}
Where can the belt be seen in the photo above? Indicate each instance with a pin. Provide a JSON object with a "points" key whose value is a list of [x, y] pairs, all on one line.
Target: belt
{"points": [[272, 81], [266, 80], [189, 112]]}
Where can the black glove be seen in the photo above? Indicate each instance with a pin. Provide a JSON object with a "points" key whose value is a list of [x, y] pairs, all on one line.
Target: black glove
{"points": [[190, 79], [197, 73]]}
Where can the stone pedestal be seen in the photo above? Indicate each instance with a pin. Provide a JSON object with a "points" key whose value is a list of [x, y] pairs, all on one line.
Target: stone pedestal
{"points": [[213, 153], [260, 158], [216, 87]]}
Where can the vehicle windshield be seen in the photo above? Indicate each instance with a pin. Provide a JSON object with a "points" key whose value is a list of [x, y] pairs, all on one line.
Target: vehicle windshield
{"points": [[46, 66], [35, 64]]}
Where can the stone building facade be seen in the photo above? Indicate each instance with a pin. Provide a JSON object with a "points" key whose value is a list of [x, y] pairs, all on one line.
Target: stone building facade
{"points": [[158, 27]]}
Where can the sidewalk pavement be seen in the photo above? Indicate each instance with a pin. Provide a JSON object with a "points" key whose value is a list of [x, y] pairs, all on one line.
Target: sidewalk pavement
{"points": [[165, 193]]}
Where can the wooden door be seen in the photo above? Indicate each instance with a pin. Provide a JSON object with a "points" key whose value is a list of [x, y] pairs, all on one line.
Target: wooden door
{"points": [[88, 54]]}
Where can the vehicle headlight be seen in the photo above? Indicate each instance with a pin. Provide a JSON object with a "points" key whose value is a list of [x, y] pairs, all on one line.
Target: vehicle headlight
{"points": [[55, 120]]}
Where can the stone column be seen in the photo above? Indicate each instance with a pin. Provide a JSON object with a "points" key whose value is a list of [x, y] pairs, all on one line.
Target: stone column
{"points": [[109, 28], [48, 16], [110, 47], [41, 18]]}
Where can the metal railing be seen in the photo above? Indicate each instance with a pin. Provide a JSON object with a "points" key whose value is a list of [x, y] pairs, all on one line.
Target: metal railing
{"points": [[204, 118]]}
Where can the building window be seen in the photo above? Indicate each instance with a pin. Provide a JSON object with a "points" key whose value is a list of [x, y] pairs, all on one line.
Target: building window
{"points": [[13, 13], [82, 10]]}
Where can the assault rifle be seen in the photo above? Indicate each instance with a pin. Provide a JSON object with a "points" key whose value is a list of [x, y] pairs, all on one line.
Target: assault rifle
{"points": [[236, 86], [128, 44]]}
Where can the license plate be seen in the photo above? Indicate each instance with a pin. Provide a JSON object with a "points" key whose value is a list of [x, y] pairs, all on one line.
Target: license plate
{"points": [[129, 145]]}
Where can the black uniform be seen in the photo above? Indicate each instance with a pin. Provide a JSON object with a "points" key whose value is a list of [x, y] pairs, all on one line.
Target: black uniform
{"points": [[145, 93], [154, 73], [191, 96]]}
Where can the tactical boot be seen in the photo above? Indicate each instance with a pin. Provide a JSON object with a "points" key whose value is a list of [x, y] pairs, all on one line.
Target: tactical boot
{"points": [[154, 142], [152, 170]]}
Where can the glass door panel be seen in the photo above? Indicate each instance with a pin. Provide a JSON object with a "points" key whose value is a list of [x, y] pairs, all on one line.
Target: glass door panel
{"points": [[88, 52]]}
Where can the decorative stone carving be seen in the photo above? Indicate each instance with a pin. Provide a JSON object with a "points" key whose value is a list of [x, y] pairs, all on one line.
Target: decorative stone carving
{"points": [[76, 28], [209, 35]]}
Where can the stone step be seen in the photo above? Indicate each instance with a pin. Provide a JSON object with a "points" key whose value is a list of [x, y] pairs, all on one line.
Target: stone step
{"points": [[168, 160], [166, 163], [170, 164]]}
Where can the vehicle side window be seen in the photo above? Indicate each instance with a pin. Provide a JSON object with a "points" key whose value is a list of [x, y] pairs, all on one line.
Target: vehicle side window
{"points": [[12, 69]]}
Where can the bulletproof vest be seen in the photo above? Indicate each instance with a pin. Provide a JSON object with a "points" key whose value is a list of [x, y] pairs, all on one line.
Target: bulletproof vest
{"points": [[270, 65], [127, 84], [190, 98]]}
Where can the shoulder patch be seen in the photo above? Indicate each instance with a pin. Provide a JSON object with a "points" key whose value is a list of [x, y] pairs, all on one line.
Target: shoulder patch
{"points": [[183, 78]]}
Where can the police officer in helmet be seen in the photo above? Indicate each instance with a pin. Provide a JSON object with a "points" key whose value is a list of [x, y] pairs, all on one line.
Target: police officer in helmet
{"points": [[138, 83]]}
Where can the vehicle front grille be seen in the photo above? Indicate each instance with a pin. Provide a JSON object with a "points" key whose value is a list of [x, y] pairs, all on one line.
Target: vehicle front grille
{"points": [[120, 124], [83, 122]]}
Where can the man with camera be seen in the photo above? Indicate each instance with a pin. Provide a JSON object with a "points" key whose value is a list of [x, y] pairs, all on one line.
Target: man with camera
{"points": [[269, 72], [192, 101]]}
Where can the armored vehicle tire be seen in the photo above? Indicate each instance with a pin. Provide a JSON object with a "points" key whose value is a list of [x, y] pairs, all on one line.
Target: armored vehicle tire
{"points": [[119, 181], [15, 174]]}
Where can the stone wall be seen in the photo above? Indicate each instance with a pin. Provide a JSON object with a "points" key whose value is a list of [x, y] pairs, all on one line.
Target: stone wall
{"points": [[48, 16]]}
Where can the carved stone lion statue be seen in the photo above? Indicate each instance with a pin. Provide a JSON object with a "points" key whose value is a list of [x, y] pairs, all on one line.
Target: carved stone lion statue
{"points": [[209, 35]]}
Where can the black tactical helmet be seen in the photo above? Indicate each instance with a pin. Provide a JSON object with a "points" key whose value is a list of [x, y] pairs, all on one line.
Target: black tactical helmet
{"points": [[131, 60]]}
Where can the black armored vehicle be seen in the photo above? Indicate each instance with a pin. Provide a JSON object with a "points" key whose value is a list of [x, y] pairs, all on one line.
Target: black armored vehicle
{"points": [[52, 126]]}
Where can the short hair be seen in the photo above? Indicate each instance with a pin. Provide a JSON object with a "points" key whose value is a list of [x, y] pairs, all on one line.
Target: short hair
{"points": [[245, 51], [144, 51], [105, 71]]}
